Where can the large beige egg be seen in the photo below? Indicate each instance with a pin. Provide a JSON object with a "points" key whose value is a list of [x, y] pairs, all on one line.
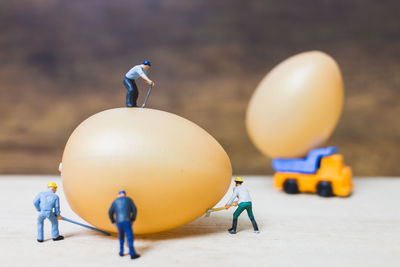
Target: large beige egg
{"points": [[171, 168], [296, 106]]}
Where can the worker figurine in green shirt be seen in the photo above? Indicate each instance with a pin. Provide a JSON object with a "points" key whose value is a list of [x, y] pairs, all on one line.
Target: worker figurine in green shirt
{"points": [[244, 201]]}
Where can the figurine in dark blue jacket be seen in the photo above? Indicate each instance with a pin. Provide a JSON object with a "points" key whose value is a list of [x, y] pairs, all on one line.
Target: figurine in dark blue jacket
{"points": [[123, 212]]}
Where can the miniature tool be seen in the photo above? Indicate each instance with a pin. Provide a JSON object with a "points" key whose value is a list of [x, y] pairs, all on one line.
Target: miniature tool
{"points": [[84, 225], [208, 213], [147, 97]]}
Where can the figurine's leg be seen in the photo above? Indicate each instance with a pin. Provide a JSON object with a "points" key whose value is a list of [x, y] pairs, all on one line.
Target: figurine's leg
{"points": [[129, 89], [40, 220], [236, 215], [54, 225], [255, 227], [239, 211], [128, 99], [249, 210], [121, 236], [130, 237], [234, 225], [132, 92]]}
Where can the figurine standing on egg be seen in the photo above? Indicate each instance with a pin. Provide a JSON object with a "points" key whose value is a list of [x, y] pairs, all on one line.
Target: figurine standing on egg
{"points": [[130, 84], [244, 200], [124, 211], [47, 204]]}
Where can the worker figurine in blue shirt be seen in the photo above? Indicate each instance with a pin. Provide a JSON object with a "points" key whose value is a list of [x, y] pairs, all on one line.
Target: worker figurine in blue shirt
{"points": [[48, 205], [125, 214], [130, 84], [244, 201]]}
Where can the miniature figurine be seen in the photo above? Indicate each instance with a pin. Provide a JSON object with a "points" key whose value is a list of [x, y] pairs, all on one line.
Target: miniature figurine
{"points": [[125, 213], [244, 200], [322, 172], [45, 202], [130, 84]]}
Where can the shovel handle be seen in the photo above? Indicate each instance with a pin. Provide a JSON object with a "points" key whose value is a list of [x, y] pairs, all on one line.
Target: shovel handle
{"points": [[147, 96], [84, 225]]}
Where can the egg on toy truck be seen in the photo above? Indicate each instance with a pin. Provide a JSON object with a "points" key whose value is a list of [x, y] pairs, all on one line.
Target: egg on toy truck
{"points": [[322, 172]]}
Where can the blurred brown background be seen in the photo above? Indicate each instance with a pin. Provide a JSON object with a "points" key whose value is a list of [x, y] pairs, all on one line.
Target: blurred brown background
{"points": [[62, 61]]}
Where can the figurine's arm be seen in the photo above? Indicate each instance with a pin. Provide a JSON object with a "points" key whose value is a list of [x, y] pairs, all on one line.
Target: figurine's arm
{"points": [[148, 81], [111, 212], [57, 206], [133, 210], [233, 197], [36, 202]]}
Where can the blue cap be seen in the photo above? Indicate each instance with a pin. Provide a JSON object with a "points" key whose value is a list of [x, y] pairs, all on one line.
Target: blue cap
{"points": [[146, 62], [122, 192]]}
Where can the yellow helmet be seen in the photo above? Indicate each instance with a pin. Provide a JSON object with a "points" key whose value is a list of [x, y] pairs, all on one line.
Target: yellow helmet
{"points": [[51, 184], [238, 180]]}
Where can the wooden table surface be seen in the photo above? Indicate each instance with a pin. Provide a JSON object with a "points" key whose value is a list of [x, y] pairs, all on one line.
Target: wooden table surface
{"points": [[296, 230]]}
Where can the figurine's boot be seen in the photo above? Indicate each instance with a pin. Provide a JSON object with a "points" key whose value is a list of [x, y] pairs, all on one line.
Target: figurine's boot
{"points": [[253, 221], [135, 256], [58, 238], [234, 225]]}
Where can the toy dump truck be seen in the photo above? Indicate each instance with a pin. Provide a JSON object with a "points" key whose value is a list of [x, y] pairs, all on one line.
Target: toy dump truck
{"points": [[322, 172]]}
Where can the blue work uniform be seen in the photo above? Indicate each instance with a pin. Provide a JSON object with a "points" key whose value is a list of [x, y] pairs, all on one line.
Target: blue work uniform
{"points": [[125, 214], [130, 84], [48, 205]]}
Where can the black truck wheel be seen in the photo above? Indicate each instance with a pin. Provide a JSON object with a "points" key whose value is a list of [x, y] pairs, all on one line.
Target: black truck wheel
{"points": [[290, 186], [324, 189]]}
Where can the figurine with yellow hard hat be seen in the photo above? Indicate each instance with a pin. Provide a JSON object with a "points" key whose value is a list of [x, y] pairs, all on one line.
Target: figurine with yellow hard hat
{"points": [[47, 204], [243, 203]]}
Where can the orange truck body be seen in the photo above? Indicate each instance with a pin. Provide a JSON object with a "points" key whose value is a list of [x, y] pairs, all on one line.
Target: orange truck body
{"points": [[331, 170]]}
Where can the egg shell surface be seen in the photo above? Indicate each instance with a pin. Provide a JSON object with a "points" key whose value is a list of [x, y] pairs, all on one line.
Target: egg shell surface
{"points": [[171, 168], [296, 106]]}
